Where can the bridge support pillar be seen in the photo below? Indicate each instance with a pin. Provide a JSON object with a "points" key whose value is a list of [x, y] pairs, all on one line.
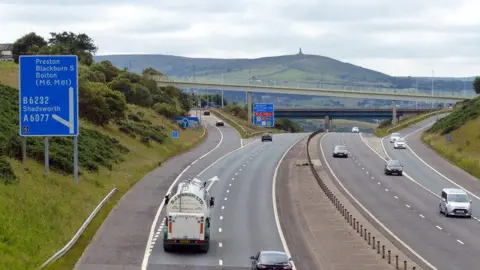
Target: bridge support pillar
{"points": [[327, 123], [394, 113], [249, 107]]}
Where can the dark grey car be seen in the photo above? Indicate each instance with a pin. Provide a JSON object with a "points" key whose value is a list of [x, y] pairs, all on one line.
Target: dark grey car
{"points": [[340, 151], [393, 166], [271, 260], [267, 137]]}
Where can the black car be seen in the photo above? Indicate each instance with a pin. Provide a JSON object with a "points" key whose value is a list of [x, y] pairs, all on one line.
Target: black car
{"points": [[267, 137], [206, 113], [219, 123], [393, 166], [270, 260]]}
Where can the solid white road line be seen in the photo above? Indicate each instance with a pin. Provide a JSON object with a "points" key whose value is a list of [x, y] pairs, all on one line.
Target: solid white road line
{"points": [[368, 212], [157, 215], [274, 201]]}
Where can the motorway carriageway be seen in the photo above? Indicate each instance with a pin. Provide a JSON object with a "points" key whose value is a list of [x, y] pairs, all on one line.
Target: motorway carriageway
{"points": [[243, 219], [407, 205]]}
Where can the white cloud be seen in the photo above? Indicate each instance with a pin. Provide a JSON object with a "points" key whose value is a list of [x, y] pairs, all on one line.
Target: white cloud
{"points": [[407, 37]]}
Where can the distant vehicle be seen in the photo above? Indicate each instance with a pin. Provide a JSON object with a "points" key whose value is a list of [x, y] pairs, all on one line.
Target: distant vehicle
{"points": [[340, 151], [400, 144], [393, 166], [455, 202], [206, 112], [355, 129], [187, 217], [219, 123], [271, 260], [267, 137], [394, 137]]}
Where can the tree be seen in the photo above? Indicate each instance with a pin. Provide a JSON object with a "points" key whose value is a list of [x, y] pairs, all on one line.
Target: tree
{"points": [[141, 96], [107, 68], [26, 43], [75, 43], [476, 85], [70, 43]]}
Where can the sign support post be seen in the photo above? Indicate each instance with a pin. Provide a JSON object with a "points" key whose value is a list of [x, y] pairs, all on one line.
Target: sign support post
{"points": [[47, 156], [24, 152], [48, 101], [75, 159]]}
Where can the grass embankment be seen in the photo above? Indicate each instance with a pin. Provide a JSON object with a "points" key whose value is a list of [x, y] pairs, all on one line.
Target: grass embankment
{"points": [[386, 128], [462, 125], [241, 125], [41, 213]]}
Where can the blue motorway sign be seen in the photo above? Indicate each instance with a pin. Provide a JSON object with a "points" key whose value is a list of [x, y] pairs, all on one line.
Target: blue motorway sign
{"points": [[263, 115], [48, 95], [175, 134]]}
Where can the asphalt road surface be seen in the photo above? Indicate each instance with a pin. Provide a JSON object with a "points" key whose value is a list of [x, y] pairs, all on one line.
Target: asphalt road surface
{"points": [[419, 171], [243, 222], [408, 210], [121, 241]]}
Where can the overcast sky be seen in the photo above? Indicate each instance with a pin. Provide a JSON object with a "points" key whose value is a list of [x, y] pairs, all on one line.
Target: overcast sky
{"points": [[403, 37]]}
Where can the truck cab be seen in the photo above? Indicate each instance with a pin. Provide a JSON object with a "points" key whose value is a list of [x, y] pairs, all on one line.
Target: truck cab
{"points": [[187, 220]]}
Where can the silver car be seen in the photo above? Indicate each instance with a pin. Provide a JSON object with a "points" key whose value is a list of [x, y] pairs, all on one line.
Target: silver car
{"points": [[455, 202], [340, 151], [400, 143], [394, 137]]}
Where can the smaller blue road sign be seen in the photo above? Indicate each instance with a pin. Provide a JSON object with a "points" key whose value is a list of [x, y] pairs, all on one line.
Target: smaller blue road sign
{"points": [[175, 134], [264, 115], [48, 95]]}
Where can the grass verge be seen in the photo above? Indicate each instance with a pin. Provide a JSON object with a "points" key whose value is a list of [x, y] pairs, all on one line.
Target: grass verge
{"points": [[461, 126], [464, 148], [404, 123], [241, 125], [40, 212]]}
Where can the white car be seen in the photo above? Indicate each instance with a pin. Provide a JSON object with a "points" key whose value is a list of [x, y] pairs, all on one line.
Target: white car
{"points": [[219, 123], [355, 129], [394, 137], [400, 143]]}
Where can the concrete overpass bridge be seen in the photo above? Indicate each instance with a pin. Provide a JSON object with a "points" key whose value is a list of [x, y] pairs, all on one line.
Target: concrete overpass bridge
{"points": [[374, 93], [345, 113]]}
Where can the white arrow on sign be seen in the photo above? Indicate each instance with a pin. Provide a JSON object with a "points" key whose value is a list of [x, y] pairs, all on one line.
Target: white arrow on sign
{"points": [[62, 121], [212, 180]]}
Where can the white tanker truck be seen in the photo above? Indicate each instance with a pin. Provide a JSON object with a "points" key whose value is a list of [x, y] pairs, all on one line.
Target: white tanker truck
{"points": [[187, 218]]}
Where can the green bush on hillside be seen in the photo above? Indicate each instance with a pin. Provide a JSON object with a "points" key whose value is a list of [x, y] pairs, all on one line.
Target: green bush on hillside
{"points": [[385, 123], [468, 111], [94, 150], [7, 175], [145, 131]]}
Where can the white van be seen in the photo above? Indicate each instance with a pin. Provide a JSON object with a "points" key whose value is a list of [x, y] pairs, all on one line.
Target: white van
{"points": [[455, 202]]}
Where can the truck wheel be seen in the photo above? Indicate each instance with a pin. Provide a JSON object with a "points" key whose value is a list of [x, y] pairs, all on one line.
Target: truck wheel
{"points": [[167, 247], [205, 248]]}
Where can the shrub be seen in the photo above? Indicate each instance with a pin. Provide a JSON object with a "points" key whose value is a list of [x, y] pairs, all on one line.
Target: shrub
{"points": [[468, 111], [165, 109], [7, 175], [99, 104], [151, 132], [385, 123], [94, 150]]}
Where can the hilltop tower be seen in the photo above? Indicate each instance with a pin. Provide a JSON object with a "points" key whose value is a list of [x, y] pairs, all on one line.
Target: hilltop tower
{"points": [[300, 51]]}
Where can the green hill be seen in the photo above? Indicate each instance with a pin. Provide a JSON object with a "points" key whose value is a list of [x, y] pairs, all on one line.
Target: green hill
{"points": [[301, 68], [298, 67]]}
